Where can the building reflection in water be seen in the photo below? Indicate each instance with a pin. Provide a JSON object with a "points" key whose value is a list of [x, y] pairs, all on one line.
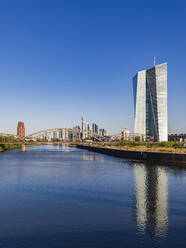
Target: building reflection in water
{"points": [[91, 156], [151, 193], [62, 146]]}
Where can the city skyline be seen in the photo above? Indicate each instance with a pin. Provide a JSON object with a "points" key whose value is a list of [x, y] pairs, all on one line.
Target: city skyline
{"points": [[66, 58]]}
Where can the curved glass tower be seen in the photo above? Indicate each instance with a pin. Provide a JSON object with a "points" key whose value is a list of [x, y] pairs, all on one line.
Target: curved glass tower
{"points": [[150, 103]]}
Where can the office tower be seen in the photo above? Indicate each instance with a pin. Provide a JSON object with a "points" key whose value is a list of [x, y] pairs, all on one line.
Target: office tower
{"points": [[67, 134], [150, 103], [102, 132], [70, 134], [87, 130], [125, 133], [21, 130], [83, 128], [60, 134], [77, 132], [54, 135], [95, 129]]}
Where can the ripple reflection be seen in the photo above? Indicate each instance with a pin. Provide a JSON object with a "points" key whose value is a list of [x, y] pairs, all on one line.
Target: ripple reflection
{"points": [[151, 195]]}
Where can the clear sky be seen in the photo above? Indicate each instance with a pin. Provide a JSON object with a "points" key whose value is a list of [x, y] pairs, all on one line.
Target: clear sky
{"points": [[62, 58]]}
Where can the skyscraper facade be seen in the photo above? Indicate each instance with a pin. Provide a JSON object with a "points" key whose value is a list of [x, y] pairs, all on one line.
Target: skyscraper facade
{"points": [[21, 130], [150, 103], [95, 129], [83, 128]]}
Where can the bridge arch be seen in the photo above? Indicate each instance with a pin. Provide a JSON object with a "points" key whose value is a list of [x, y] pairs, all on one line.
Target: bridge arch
{"points": [[61, 133]]}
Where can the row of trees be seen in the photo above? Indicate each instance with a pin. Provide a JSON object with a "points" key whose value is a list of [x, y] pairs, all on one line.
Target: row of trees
{"points": [[9, 139]]}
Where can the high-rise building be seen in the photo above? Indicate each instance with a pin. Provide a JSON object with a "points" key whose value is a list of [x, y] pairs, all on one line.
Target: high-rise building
{"points": [[102, 132], [125, 133], [77, 132], [150, 103], [21, 130], [95, 129], [56, 135], [87, 130], [83, 128]]}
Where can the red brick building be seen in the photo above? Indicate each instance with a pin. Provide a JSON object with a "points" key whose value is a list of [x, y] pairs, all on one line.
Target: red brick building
{"points": [[21, 130]]}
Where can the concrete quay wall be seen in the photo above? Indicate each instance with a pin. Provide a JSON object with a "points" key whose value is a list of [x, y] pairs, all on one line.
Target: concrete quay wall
{"points": [[160, 157]]}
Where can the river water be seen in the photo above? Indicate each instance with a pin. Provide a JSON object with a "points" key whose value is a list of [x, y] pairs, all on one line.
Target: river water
{"points": [[54, 196]]}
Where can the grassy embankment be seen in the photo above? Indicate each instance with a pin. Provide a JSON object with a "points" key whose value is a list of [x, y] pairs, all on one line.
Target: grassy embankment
{"points": [[4, 147], [9, 143], [170, 146]]}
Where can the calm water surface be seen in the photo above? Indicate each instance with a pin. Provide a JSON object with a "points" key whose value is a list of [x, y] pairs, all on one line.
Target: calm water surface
{"points": [[52, 196]]}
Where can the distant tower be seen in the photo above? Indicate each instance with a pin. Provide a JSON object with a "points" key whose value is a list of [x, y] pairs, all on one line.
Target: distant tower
{"points": [[83, 128], [82, 122], [21, 130], [95, 129]]}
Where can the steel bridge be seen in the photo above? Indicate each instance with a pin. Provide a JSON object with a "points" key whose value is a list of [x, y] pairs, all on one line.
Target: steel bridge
{"points": [[66, 133], [63, 132], [47, 131], [7, 134]]}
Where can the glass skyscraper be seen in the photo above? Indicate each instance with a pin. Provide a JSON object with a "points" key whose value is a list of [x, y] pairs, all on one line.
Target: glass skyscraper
{"points": [[150, 103]]}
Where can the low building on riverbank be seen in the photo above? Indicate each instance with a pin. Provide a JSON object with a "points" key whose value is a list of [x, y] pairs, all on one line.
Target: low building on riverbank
{"points": [[177, 137]]}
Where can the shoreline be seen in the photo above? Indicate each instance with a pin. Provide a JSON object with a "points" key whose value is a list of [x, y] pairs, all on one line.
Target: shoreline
{"points": [[11, 146], [160, 157]]}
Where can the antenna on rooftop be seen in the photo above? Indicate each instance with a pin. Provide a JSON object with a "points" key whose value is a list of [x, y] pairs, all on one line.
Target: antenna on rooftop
{"points": [[154, 61]]}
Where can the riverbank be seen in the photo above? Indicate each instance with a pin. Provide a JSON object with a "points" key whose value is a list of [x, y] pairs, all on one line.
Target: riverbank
{"points": [[5, 147], [11, 146], [160, 157]]}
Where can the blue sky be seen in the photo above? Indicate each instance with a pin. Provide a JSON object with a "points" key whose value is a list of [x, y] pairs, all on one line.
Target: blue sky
{"points": [[59, 59]]}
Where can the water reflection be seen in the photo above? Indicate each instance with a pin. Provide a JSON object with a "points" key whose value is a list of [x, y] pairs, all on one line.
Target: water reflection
{"points": [[92, 156], [151, 193], [20, 170], [51, 197], [62, 146]]}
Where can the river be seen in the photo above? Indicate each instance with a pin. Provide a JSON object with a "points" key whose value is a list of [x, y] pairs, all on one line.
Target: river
{"points": [[54, 196]]}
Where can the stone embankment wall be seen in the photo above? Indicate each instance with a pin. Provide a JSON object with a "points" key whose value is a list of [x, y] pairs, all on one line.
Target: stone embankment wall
{"points": [[161, 157]]}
